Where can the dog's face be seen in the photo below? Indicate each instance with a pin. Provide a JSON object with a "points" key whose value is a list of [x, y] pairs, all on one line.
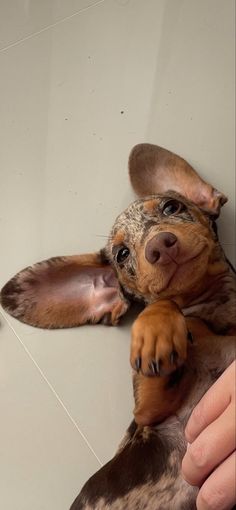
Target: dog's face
{"points": [[161, 245]]}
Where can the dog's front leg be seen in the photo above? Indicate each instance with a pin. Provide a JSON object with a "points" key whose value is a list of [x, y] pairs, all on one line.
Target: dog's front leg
{"points": [[158, 398], [158, 350]]}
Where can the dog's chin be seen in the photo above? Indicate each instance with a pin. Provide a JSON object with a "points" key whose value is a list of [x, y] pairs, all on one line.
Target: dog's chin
{"points": [[163, 279], [178, 277]]}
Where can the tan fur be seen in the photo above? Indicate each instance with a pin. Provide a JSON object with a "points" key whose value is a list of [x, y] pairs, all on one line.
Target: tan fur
{"points": [[197, 248], [118, 238], [159, 330], [155, 400], [150, 205]]}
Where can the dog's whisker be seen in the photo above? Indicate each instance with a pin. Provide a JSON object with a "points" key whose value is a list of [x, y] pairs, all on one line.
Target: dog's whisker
{"points": [[101, 235]]}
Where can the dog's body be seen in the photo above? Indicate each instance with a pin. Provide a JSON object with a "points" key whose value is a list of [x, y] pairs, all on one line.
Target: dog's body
{"points": [[163, 250], [145, 474]]}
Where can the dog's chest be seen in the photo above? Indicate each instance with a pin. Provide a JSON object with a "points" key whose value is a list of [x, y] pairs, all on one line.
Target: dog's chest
{"points": [[216, 306]]}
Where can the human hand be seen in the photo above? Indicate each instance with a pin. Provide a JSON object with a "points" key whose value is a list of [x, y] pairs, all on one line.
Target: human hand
{"points": [[210, 460]]}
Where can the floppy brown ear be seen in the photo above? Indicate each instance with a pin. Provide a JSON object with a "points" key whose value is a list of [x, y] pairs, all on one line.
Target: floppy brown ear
{"points": [[64, 292], [154, 170]]}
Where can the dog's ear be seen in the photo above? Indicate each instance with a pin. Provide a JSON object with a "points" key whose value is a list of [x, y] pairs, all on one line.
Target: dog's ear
{"points": [[156, 170], [65, 292]]}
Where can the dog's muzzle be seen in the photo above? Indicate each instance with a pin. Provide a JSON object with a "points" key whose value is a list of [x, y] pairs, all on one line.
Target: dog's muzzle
{"points": [[162, 248]]}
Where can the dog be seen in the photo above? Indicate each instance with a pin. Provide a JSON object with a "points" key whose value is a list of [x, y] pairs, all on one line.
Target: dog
{"points": [[163, 250]]}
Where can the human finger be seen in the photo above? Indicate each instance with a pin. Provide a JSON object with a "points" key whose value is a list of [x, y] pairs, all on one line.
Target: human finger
{"points": [[210, 448], [212, 404], [219, 490]]}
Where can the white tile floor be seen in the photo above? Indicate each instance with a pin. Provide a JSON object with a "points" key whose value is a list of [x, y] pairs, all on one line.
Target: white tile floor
{"points": [[81, 82]]}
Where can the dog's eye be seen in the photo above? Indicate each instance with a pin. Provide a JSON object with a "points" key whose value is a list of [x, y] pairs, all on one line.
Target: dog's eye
{"points": [[122, 254], [172, 207]]}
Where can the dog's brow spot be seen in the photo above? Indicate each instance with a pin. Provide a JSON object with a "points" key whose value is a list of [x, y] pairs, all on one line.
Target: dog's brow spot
{"points": [[119, 237], [150, 205]]}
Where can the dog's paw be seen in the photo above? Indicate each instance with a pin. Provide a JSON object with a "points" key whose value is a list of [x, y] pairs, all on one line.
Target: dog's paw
{"points": [[117, 309], [159, 339]]}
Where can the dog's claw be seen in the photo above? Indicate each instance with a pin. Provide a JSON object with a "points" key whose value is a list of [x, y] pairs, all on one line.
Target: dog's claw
{"points": [[154, 366], [158, 363], [190, 337], [173, 357], [138, 364]]}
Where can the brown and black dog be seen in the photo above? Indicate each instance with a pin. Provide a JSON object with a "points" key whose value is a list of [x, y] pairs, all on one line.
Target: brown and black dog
{"points": [[163, 250]]}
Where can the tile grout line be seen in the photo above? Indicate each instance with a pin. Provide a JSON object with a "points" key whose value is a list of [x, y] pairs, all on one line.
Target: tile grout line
{"points": [[51, 26], [51, 388]]}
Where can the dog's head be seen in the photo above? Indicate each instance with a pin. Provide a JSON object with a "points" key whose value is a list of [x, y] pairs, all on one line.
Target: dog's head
{"points": [[162, 245]]}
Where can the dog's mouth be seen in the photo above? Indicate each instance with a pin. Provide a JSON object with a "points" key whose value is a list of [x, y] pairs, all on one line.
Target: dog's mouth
{"points": [[178, 273], [179, 261]]}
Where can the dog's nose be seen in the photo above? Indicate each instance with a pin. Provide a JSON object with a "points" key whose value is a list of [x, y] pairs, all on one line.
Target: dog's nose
{"points": [[161, 248]]}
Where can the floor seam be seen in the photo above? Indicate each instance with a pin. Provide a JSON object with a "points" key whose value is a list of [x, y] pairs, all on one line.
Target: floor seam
{"points": [[48, 27], [51, 388]]}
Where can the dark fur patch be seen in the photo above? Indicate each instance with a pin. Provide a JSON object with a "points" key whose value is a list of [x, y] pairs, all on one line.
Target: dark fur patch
{"points": [[143, 459], [175, 377], [215, 373], [103, 255], [147, 224], [132, 428], [9, 294]]}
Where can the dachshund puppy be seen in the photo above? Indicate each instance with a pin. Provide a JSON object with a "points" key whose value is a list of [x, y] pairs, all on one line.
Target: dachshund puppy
{"points": [[163, 250]]}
